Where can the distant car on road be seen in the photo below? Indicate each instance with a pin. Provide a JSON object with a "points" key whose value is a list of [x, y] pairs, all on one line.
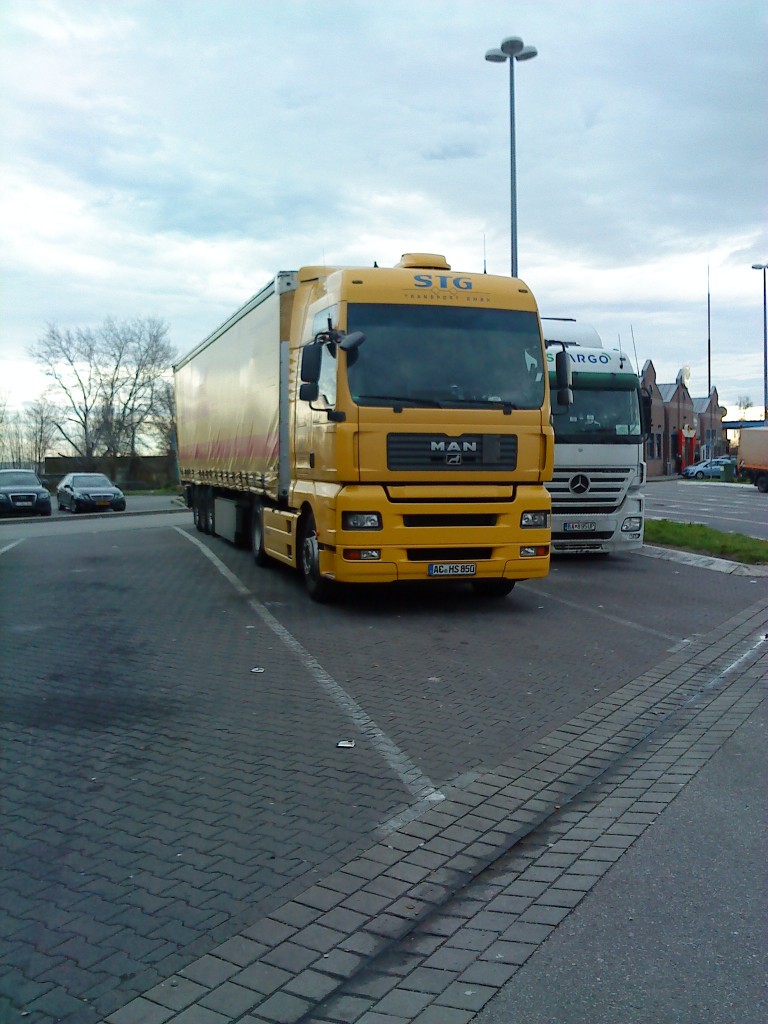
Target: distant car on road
{"points": [[22, 494], [89, 492], [710, 469]]}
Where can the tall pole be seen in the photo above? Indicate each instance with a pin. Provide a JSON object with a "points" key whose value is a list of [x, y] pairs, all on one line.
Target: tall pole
{"points": [[512, 49], [512, 171], [709, 339], [764, 267]]}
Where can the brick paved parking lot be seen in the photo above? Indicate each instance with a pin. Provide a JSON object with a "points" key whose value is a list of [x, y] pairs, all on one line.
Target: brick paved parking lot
{"points": [[162, 800]]}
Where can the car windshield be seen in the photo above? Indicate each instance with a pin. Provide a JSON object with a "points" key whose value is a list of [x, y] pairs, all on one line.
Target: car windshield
{"points": [[445, 357], [598, 416], [19, 478], [90, 480]]}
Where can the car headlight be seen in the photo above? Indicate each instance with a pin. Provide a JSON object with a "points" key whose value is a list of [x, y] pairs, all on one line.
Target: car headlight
{"points": [[360, 521], [534, 520], [4, 497]]}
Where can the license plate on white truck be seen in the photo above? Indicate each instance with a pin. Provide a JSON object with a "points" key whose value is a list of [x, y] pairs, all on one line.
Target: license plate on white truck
{"points": [[452, 569], [579, 527]]}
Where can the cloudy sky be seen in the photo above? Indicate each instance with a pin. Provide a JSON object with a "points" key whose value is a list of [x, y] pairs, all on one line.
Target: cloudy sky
{"points": [[167, 157]]}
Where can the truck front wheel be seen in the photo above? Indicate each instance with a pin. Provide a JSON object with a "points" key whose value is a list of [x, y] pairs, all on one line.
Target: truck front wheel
{"points": [[762, 483], [493, 588], [318, 588]]}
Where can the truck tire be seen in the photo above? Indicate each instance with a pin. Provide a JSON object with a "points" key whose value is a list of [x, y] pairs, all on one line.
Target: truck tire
{"points": [[318, 588], [260, 556], [493, 588], [209, 523], [197, 509], [762, 483]]}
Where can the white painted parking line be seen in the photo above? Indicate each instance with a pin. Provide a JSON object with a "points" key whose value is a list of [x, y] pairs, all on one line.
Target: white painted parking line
{"points": [[411, 776]]}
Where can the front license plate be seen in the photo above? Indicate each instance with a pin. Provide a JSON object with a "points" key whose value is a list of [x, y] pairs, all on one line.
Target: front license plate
{"points": [[453, 569], [24, 504], [579, 527], [103, 504]]}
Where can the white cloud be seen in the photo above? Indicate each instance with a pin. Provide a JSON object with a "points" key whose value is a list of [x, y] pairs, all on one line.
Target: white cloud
{"points": [[167, 159]]}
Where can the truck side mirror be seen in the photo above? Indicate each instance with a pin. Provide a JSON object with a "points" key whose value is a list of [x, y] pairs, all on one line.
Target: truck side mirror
{"points": [[352, 341], [311, 356], [309, 392], [564, 378]]}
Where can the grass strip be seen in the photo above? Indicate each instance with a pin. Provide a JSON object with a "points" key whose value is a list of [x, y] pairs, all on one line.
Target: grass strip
{"points": [[705, 541]]}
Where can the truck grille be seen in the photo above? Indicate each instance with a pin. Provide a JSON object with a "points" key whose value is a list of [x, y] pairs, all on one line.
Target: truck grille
{"points": [[441, 453], [591, 490]]}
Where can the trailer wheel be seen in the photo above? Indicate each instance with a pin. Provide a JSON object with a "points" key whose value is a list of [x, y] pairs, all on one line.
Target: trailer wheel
{"points": [[197, 509], [493, 588], [762, 483], [260, 556], [318, 588], [209, 514]]}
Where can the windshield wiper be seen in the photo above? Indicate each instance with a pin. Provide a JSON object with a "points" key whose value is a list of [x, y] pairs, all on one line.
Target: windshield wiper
{"points": [[402, 400], [493, 402]]}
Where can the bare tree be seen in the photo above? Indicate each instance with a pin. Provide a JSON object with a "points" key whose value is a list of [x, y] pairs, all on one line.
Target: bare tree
{"points": [[14, 441], [108, 378], [39, 430], [743, 402], [162, 426]]}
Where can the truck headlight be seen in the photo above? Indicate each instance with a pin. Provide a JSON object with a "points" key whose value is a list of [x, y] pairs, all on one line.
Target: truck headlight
{"points": [[534, 520], [633, 524], [360, 521]]}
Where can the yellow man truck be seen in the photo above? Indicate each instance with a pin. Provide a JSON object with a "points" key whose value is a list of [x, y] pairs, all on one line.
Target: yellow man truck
{"points": [[374, 425]]}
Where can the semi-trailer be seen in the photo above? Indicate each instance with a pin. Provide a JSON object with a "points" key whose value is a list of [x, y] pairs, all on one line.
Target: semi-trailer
{"points": [[375, 425]]}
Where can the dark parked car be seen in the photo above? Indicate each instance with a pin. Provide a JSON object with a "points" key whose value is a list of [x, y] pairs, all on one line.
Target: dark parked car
{"points": [[89, 492], [22, 494]]}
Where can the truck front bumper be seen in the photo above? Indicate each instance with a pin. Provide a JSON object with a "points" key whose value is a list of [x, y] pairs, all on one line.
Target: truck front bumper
{"points": [[462, 538]]}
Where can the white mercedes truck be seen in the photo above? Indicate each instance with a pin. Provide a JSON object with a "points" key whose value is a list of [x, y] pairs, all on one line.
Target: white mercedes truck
{"points": [[599, 474]]}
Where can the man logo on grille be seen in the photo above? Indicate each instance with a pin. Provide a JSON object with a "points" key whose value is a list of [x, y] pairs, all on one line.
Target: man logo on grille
{"points": [[579, 484]]}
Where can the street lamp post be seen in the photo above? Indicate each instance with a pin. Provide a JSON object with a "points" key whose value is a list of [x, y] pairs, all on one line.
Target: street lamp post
{"points": [[764, 267], [512, 49]]}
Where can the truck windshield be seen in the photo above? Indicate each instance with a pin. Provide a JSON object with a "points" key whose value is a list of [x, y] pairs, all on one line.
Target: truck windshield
{"points": [[446, 357], [598, 417]]}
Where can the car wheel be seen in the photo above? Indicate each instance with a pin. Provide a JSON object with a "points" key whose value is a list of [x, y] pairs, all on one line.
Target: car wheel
{"points": [[318, 588], [73, 507], [699, 475]]}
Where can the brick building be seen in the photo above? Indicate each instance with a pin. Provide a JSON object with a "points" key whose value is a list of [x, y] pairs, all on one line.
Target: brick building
{"points": [[683, 429]]}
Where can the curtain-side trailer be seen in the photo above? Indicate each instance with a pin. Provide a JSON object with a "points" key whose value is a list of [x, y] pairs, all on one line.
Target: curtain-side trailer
{"points": [[374, 425]]}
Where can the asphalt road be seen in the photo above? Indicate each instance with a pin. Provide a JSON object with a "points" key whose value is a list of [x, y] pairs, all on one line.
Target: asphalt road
{"points": [[731, 508], [171, 717]]}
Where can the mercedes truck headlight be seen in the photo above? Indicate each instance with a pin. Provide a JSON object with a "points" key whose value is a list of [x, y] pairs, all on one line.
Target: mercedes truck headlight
{"points": [[632, 524]]}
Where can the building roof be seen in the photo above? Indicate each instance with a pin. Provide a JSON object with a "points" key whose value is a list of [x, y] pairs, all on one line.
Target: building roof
{"points": [[667, 391]]}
